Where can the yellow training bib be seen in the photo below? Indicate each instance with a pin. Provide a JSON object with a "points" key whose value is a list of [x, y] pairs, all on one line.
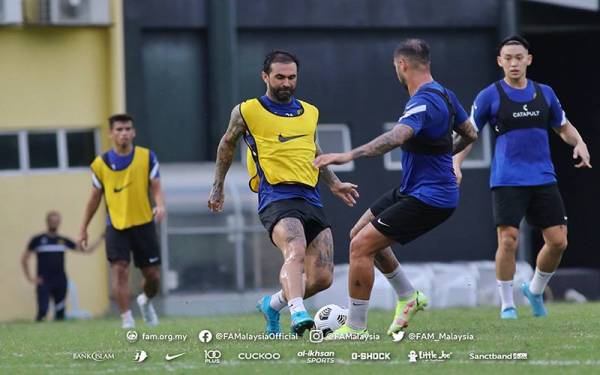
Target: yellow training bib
{"points": [[283, 147], [126, 191]]}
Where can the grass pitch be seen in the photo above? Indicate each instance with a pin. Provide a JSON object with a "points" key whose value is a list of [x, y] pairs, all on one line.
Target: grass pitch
{"points": [[566, 342]]}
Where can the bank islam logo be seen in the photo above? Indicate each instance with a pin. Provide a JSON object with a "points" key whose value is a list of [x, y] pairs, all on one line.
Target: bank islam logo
{"points": [[132, 336], [205, 336], [397, 337], [140, 356], [212, 356], [428, 356]]}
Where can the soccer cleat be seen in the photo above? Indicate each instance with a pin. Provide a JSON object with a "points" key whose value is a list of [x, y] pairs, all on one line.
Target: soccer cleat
{"points": [[535, 300], [128, 323], [271, 315], [509, 313], [406, 308], [345, 332], [301, 321], [148, 312]]}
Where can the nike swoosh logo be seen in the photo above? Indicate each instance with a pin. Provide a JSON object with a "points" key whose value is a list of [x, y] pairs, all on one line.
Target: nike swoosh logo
{"points": [[382, 223], [169, 357], [120, 189], [285, 139]]}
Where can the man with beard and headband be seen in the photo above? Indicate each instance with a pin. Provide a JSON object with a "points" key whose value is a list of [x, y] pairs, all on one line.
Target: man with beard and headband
{"points": [[523, 180], [426, 198], [280, 132]]}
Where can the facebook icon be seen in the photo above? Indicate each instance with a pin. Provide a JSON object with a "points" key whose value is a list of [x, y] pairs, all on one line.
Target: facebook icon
{"points": [[205, 336]]}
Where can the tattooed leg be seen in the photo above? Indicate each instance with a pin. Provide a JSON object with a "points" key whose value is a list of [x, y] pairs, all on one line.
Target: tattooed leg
{"points": [[288, 235], [363, 248], [319, 263], [385, 260]]}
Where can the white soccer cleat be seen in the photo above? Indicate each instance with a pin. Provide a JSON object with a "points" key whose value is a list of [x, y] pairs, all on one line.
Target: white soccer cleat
{"points": [[128, 323], [148, 312]]}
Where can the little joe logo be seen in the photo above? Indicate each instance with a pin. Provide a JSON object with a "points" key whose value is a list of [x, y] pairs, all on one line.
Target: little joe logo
{"points": [[212, 356]]}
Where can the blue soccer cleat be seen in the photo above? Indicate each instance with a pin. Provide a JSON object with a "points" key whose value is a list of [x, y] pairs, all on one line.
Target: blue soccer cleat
{"points": [[535, 300], [301, 321], [509, 313], [271, 315]]}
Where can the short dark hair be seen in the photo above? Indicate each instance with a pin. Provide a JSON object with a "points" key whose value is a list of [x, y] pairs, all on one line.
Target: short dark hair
{"points": [[513, 40], [119, 117], [279, 56], [416, 50]]}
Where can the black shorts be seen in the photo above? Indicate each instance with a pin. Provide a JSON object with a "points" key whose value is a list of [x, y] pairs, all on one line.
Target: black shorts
{"points": [[542, 206], [403, 217], [141, 240], [312, 217]]}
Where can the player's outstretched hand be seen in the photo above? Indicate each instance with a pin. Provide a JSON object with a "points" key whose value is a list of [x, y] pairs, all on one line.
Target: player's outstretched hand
{"points": [[347, 192], [333, 158], [216, 199], [581, 151]]}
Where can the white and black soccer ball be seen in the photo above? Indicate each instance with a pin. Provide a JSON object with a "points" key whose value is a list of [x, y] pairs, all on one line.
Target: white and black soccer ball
{"points": [[330, 317]]}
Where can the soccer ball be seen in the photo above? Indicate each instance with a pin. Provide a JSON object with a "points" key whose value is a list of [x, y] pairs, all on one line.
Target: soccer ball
{"points": [[330, 317]]}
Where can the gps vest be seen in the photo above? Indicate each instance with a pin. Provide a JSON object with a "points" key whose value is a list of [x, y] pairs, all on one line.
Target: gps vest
{"points": [[442, 145], [513, 115], [281, 147]]}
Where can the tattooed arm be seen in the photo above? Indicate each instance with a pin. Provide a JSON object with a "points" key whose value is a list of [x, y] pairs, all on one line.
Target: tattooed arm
{"points": [[464, 136], [378, 146], [225, 153], [462, 143], [346, 191]]}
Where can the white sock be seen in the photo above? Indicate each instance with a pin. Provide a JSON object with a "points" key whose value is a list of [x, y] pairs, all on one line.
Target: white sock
{"points": [[357, 316], [143, 298], [506, 293], [296, 305], [127, 315], [539, 281], [278, 301], [400, 282]]}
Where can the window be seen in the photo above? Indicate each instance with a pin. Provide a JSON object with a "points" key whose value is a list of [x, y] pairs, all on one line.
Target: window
{"points": [[479, 157], [81, 148], [43, 150], [9, 151], [335, 138], [48, 150]]}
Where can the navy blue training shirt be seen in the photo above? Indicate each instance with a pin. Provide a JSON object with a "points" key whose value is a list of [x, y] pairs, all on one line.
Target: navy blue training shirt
{"points": [[430, 178], [50, 252], [521, 157]]}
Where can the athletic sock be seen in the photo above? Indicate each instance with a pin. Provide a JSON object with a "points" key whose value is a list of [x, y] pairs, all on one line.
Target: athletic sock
{"points": [[400, 283], [296, 305], [506, 293], [357, 316], [127, 315], [143, 298], [539, 281], [278, 301]]}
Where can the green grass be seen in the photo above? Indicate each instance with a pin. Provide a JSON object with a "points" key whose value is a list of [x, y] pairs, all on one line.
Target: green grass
{"points": [[566, 342]]}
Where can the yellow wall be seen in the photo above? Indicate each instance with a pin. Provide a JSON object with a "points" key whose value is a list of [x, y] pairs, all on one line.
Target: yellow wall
{"points": [[51, 78]]}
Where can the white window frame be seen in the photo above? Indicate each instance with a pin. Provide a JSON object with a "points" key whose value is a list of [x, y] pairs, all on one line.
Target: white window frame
{"points": [[346, 144], [62, 152], [485, 162]]}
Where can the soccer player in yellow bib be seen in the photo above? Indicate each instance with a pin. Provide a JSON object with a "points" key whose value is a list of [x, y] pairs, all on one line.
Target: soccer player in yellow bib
{"points": [[280, 132], [125, 175]]}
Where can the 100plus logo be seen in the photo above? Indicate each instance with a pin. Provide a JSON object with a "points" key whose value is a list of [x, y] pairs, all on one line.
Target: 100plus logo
{"points": [[212, 356]]}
